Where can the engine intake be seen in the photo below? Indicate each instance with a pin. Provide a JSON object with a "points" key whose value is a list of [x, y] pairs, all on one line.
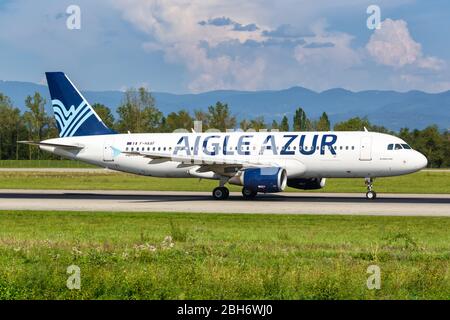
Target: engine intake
{"points": [[267, 180], [307, 183]]}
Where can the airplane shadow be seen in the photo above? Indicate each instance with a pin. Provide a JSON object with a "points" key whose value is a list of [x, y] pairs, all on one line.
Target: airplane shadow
{"points": [[357, 198]]}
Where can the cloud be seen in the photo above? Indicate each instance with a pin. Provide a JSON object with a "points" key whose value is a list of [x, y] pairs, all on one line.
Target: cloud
{"points": [[392, 45], [287, 31], [218, 22], [224, 21], [316, 45], [248, 27], [332, 51], [179, 29]]}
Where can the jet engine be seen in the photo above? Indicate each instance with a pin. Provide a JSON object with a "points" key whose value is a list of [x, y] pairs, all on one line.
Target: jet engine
{"points": [[267, 180], [307, 183]]}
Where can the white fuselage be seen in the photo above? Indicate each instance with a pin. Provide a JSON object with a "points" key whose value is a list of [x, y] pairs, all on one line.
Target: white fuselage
{"points": [[302, 154]]}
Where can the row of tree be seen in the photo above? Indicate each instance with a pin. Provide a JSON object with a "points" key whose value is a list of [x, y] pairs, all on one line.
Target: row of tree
{"points": [[138, 113]]}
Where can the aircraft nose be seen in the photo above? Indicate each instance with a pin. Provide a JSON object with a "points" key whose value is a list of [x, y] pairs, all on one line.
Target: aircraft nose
{"points": [[420, 161]]}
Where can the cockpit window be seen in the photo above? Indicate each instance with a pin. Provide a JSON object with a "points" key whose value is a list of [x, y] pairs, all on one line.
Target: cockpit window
{"points": [[390, 147], [398, 146], [406, 146]]}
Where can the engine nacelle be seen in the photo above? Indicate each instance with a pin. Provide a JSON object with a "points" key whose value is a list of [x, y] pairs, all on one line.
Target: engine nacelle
{"points": [[307, 183], [267, 180]]}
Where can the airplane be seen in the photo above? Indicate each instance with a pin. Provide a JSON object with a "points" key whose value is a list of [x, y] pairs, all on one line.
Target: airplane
{"points": [[260, 162]]}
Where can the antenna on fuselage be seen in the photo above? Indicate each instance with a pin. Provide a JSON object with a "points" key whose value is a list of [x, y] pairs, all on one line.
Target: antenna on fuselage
{"points": [[365, 129]]}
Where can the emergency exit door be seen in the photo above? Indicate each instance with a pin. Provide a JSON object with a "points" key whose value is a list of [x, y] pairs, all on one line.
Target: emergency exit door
{"points": [[365, 149]]}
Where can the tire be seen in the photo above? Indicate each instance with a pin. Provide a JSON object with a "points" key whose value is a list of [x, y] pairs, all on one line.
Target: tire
{"points": [[371, 195], [248, 193], [220, 193]]}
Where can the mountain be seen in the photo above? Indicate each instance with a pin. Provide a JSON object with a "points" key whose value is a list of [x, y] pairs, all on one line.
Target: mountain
{"points": [[394, 110]]}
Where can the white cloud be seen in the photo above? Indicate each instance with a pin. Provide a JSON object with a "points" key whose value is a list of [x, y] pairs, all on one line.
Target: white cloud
{"points": [[392, 45], [330, 51], [176, 31]]}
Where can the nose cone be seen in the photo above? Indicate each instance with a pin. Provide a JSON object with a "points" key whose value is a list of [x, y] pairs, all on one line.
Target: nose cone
{"points": [[420, 161]]}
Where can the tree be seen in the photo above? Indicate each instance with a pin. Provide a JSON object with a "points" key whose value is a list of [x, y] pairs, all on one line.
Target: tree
{"points": [[274, 125], [301, 121], [431, 143], [353, 124], [245, 125], [324, 123], [203, 117], [219, 117], [138, 113], [10, 128], [284, 126], [178, 120], [36, 121], [105, 114], [256, 124]]}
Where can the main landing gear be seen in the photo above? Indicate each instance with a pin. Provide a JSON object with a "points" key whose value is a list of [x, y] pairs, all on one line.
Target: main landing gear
{"points": [[371, 195], [248, 193], [221, 192]]}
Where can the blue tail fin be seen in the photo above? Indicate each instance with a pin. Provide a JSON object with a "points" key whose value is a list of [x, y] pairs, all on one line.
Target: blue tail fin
{"points": [[74, 115]]}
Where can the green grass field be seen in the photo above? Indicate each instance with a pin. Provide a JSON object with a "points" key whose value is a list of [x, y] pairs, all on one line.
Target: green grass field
{"points": [[124, 256], [43, 164], [421, 182]]}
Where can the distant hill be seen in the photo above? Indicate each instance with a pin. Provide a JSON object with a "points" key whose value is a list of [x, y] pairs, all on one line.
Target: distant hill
{"points": [[413, 109]]}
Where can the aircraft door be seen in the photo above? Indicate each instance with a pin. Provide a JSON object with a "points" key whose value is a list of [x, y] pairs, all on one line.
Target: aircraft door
{"points": [[366, 149], [108, 151]]}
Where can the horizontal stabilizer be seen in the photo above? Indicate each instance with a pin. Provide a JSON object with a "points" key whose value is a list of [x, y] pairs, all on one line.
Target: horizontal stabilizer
{"points": [[48, 144]]}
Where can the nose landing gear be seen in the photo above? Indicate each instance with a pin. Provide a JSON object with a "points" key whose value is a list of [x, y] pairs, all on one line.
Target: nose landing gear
{"points": [[370, 194]]}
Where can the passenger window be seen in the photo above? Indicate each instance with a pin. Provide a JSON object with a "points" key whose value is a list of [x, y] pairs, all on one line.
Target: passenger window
{"points": [[406, 146], [398, 146], [353, 147], [390, 146], [340, 147], [346, 148]]}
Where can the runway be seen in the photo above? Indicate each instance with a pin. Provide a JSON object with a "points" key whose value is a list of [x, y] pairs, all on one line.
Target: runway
{"points": [[284, 203]]}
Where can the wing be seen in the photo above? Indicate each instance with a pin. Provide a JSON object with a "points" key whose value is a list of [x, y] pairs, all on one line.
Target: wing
{"points": [[205, 163]]}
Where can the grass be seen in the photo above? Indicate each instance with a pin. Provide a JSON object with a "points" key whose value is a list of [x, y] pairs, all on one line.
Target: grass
{"points": [[214, 256], [43, 164], [421, 182]]}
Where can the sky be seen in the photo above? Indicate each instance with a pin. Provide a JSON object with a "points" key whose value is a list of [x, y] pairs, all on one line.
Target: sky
{"points": [[183, 46]]}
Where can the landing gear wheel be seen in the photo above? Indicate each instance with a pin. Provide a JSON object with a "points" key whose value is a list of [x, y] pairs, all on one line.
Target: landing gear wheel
{"points": [[248, 193], [220, 193], [371, 195]]}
